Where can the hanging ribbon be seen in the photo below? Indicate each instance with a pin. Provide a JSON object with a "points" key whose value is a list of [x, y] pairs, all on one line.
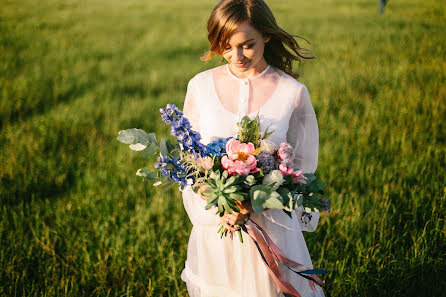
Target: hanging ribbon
{"points": [[271, 255]]}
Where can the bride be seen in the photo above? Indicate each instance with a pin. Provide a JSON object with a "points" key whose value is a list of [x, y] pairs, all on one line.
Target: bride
{"points": [[257, 79]]}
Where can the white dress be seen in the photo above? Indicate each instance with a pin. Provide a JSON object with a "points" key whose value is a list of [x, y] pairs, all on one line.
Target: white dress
{"points": [[227, 268]]}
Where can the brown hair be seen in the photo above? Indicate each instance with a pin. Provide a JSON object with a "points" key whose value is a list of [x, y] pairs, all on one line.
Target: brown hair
{"points": [[281, 50]]}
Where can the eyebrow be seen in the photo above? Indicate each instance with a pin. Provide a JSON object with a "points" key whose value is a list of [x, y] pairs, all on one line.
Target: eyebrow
{"points": [[246, 41]]}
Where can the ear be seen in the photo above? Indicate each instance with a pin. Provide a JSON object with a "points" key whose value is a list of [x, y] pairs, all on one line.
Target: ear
{"points": [[266, 39]]}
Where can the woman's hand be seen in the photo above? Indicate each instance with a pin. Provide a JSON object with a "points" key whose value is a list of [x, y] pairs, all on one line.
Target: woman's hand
{"points": [[229, 220], [201, 189]]}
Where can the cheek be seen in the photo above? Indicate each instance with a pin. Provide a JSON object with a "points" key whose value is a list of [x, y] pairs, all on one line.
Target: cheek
{"points": [[226, 56]]}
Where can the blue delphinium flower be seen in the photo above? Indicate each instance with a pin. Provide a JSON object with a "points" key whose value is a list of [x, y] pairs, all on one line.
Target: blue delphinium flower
{"points": [[326, 204], [218, 147], [181, 129], [172, 169]]}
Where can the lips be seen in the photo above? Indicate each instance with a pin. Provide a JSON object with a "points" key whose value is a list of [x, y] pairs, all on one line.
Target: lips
{"points": [[240, 64]]}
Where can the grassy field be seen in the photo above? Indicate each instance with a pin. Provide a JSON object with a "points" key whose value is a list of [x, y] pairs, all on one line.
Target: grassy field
{"points": [[76, 221]]}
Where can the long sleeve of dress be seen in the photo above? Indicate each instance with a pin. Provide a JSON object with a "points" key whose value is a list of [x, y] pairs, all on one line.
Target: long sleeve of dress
{"points": [[193, 203], [303, 135]]}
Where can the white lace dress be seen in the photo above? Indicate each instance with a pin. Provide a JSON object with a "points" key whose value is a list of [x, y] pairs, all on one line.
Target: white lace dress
{"points": [[227, 268]]}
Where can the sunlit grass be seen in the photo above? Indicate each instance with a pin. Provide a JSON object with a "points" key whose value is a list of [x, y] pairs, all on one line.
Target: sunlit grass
{"points": [[76, 221]]}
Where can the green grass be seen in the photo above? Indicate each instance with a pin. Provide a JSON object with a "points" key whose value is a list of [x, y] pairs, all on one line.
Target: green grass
{"points": [[76, 221]]}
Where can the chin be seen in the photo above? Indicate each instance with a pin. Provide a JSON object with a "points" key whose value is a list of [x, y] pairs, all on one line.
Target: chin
{"points": [[243, 67]]}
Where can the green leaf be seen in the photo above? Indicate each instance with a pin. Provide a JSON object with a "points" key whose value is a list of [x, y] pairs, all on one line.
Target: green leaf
{"points": [[147, 174], [300, 200], [230, 180], [149, 151], [134, 136], [163, 148], [233, 205], [208, 205], [207, 192], [274, 201], [310, 177], [227, 207], [231, 189], [237, 196], [259, 194], [285, 194]]}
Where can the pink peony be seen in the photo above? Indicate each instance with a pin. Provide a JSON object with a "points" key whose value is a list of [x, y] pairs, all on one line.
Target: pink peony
{"points": [[239, 158], [298, 176], [286, 154], [206, 163]]}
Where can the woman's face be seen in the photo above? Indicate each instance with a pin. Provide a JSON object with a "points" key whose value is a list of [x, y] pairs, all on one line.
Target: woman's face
{"points": [[244, 50]]}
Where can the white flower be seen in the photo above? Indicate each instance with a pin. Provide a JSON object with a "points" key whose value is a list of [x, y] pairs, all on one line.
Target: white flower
{"points": [[268, 146], [273, 179]]}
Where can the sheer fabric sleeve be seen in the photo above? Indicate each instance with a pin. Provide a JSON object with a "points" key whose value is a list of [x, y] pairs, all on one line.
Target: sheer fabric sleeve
{"points": [[303, 135], [193, 203], [190, 107]]}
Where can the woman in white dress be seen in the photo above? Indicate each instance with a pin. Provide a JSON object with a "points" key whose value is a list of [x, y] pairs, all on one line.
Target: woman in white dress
{"points": [[257, 79]]}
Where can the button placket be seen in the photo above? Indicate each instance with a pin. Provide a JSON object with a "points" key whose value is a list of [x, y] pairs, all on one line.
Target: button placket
{"points": [[243, 97]]}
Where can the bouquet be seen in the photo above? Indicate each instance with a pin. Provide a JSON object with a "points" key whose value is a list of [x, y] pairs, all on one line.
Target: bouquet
{"points": [[229, 172], [242, 169]]}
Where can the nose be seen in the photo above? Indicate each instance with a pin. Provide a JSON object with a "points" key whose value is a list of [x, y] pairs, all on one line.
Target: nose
{"points": [[238, 54]]}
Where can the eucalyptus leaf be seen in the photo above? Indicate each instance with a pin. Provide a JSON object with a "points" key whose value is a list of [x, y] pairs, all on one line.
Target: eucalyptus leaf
{"points": [[167, 184], [143, 172], [147, 174], [163, 148], [134, 136], [149, 151], [259, 194], [274, 202], [137, 147]]}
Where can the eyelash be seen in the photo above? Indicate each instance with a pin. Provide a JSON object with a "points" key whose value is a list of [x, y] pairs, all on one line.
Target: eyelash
{"points": [[248, 46]]}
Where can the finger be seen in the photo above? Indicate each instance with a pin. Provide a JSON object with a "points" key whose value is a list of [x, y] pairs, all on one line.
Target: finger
{"points": [[236, 217], [230, 220], [228, 226]]}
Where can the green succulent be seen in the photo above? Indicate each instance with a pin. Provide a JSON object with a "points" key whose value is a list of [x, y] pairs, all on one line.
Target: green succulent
{"points": [[224, 191]]}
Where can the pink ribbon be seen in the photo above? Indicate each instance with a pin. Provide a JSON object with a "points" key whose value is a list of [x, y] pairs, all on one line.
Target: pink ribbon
{"points": [[271, 255]]}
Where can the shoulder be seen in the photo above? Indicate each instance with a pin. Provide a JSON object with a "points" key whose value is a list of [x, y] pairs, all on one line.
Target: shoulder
{"points": [[291, 83], [298, 91]]}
